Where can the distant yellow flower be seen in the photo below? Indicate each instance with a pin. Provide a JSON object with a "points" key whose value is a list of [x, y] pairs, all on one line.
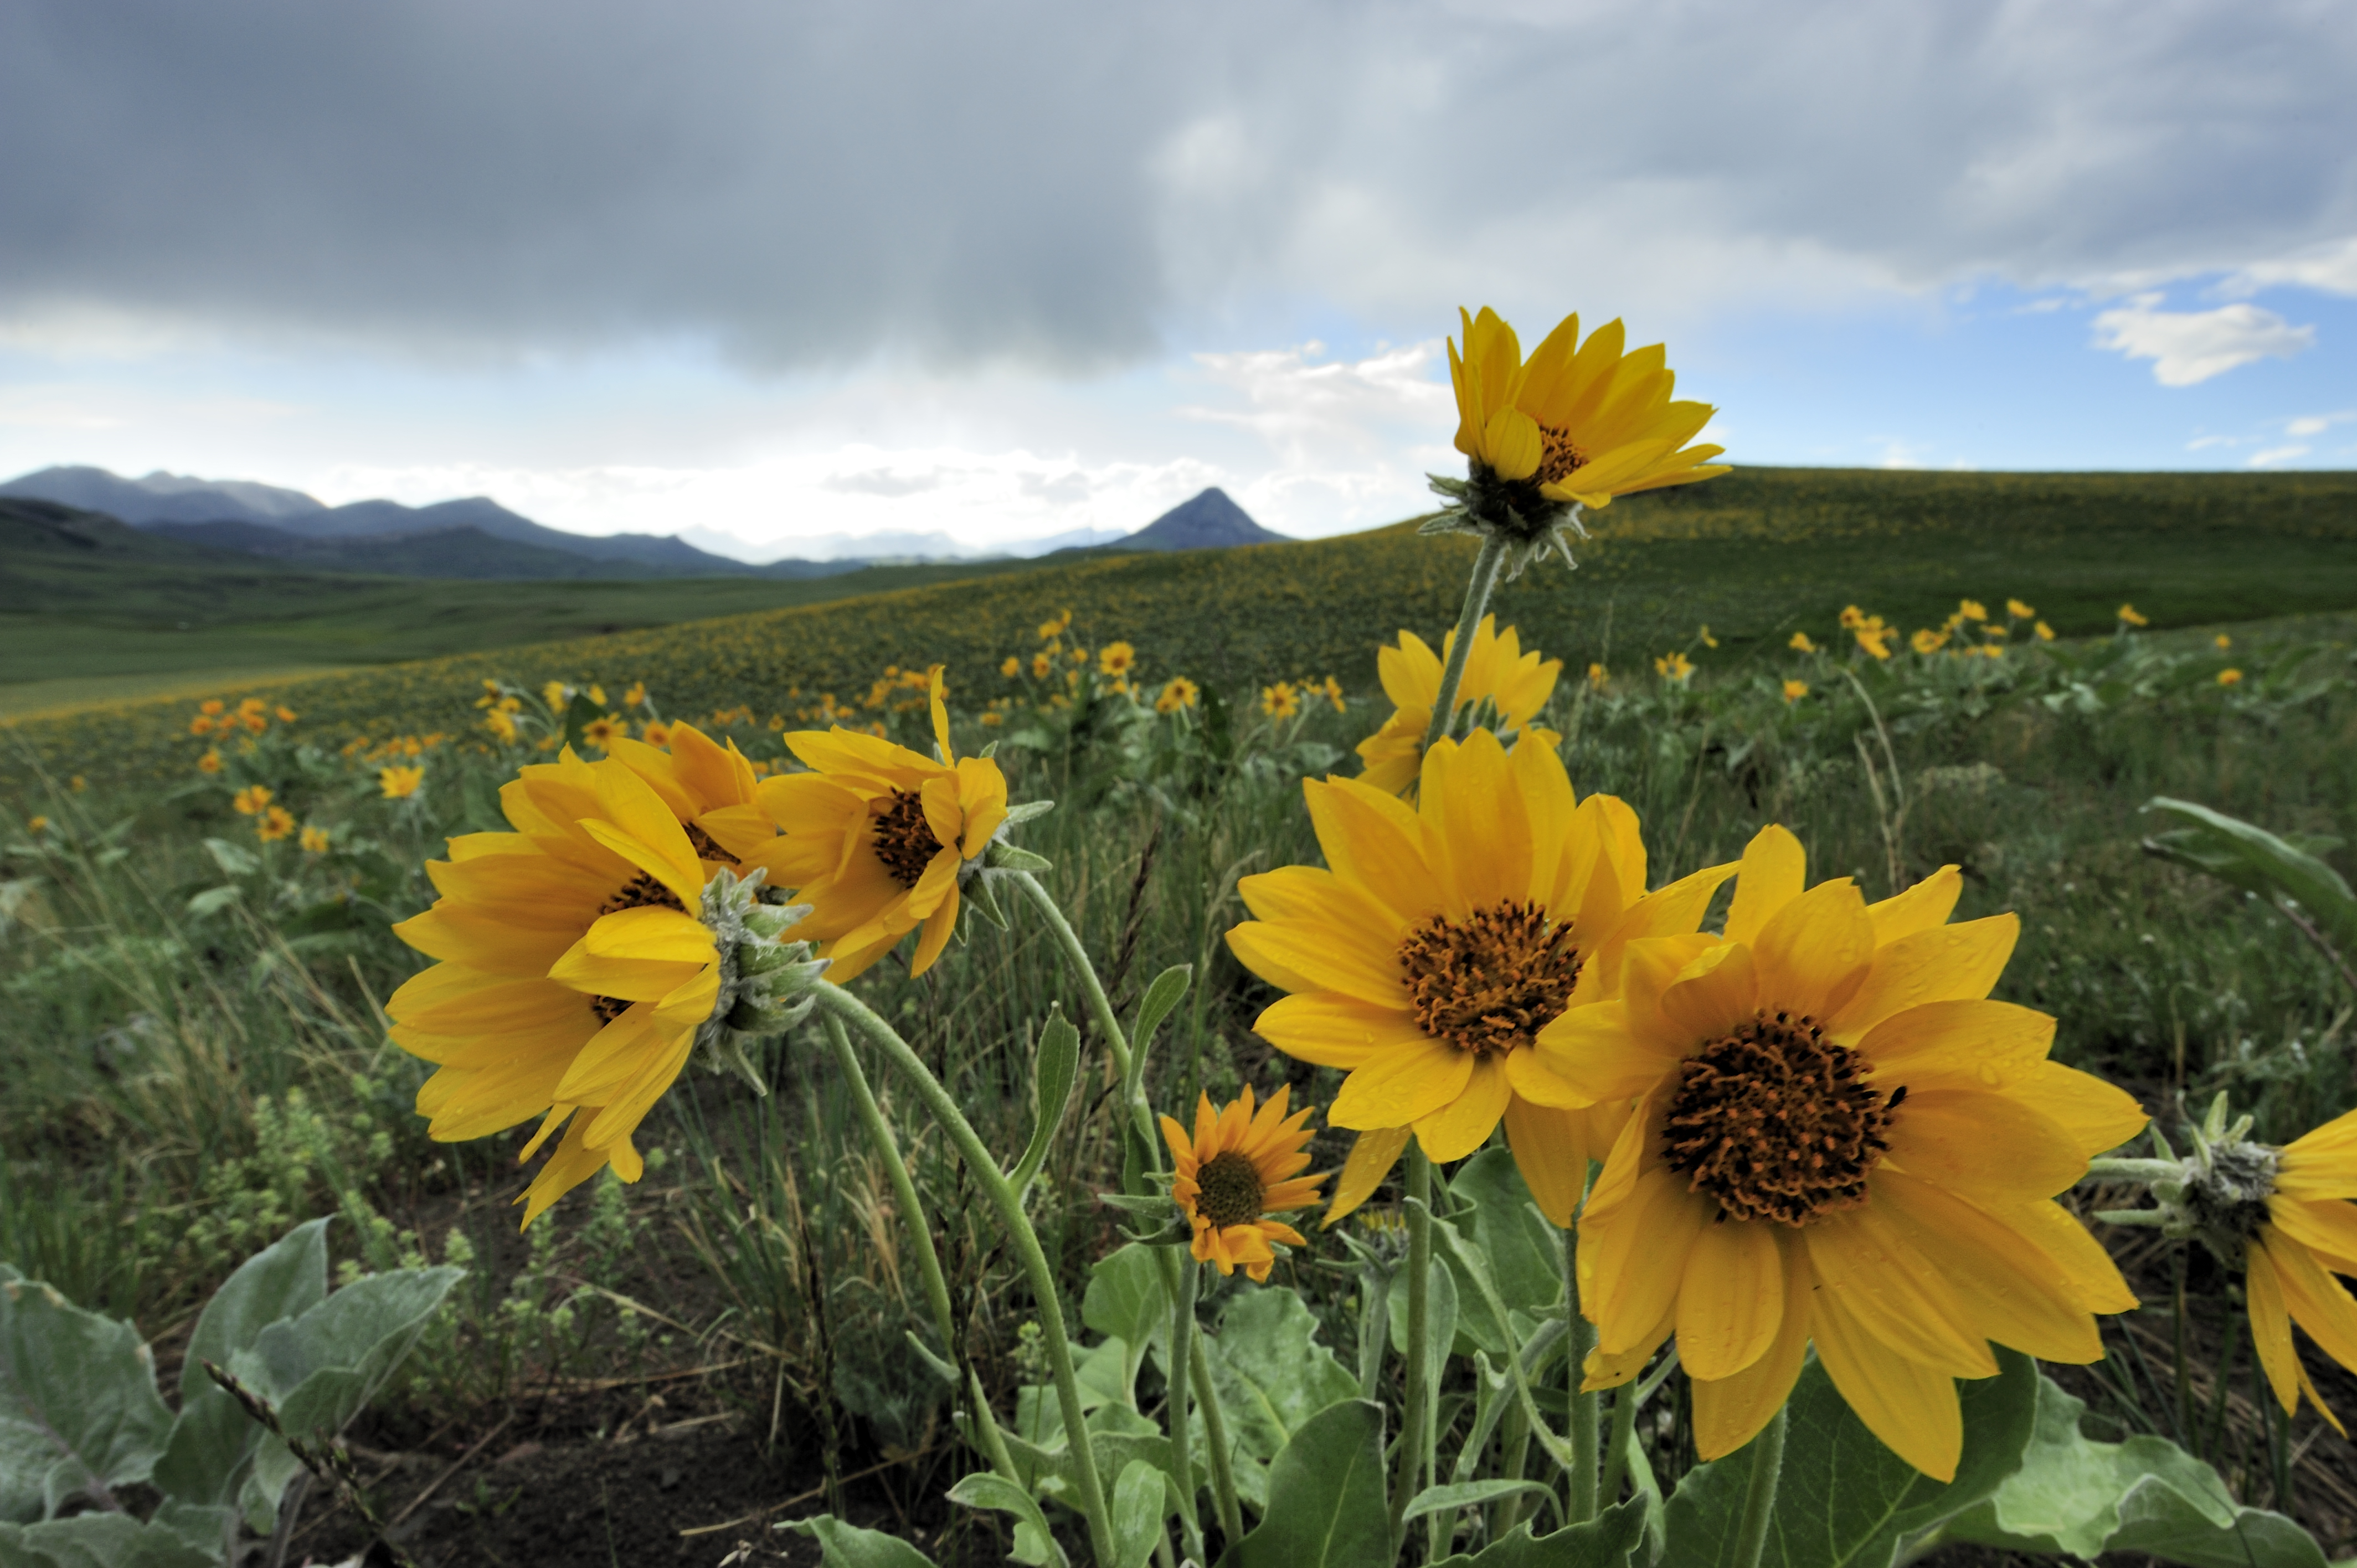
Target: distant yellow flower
{"points": [[210, 708], [1177, 692], [2223, 641], [1708, 640], [1040, 666], [1012, 667], [993, 719], [201, 724], [555, 695], [604, 731], [2045, 633], [1116, 658], [502, 725], [210, 762], [1800, 643], [2230, 677], [1239, 1168], [285, 713], [1674, 666], [255, 722], [1581, 423], [1051, 630], [1444, 938], [635, 695], [1598, 676], [251, 801], [1795, 690], [2019, 610], [1280, 701], [598, 694], [315, 841], [1852, 617], [1972, 609], [1333, 690], [37, 824], [2130, 614], [252, 705], [1874, 637], [1497, 671], [1926, 641], [877, 838], [76, 784], [400, 783], [1775, 1191], [276, 823]]}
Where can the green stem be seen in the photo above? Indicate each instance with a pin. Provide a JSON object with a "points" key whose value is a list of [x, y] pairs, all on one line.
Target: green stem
{"points": [[1581, 1432], [1003, 1197], [1759, 1498], [1468, 620], [1207, 1397], [1616, 1446], [1407, 1469], [1514, 1460], [1182, 1354]]}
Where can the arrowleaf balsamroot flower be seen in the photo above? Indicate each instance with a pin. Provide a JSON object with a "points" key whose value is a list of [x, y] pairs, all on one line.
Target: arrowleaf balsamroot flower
{"points": [[575, 972], [877, 838], [1836, 1138], [1242, 1167], [1444, 938], [1496, 669]]}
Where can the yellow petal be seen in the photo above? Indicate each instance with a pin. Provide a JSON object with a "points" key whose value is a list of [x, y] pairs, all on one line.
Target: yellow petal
{"points": [[2097, 1115], [1465, 1123], [1402, 1087], [1912, 1407], [1534, 1081], [1373, 1155], [1945, 963], [2094, 1279], [1714, 994], [1551, 1149], [1980, 1045], [1640, 1257], [1920, 907], [1598, 1052], [2319, 1303], [1729, 1411], [1512, 442], [2271, 1326], [2329, 1229], [1813, 954], [1731, 1303], [1983, 1144], [1894, 1291], [1329, 1030], [1769, 877], [1304, 958], [2011, 1292]]}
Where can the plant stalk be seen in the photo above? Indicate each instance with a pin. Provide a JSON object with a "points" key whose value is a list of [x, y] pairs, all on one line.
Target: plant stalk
{"points": [[1759, 1498], [1182, 1354], [1408, 1469], [1003, 1197], [1615, 1446], [1476, 602], [1580, 1433]]}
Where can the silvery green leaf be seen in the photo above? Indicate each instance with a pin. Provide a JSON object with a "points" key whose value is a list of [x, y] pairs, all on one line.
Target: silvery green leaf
{"points": [[1023, 812], [1053, 1075], [1325, 1507], [841, 1545], [235, 860], [79, 1413]]}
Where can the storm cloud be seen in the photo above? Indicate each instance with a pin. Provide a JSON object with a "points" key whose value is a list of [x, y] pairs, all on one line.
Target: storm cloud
{"points": [[1069, 186]]}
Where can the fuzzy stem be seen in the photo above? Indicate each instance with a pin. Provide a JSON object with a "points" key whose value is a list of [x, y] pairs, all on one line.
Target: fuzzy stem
{"points": [[1759, 1498], [1182, 1354], [1408, 1467], [1468, 620], [1077, 960], [1615, 1446], [1581, 1430], [1215, 1438], [1003, 1197]]}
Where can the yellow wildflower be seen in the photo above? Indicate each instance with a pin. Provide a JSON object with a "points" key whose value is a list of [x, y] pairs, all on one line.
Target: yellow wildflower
{"points": [[1674, 666], [2130, 614], [1240, 1167], [1972, 609], [1012, 667], [1516, 683], [2045, 633], [251, 801], [1280, 701], [276, 823], [1598, 676], [2222, 642], [1708, 640], [635, 695], [2230, 677], [400, 783], [315, 841], [1795, 690], [2019, 610], [1177, 692], [1040, 666], [210, 762], [1926, 641], [1800, 643], [1116, 658]]}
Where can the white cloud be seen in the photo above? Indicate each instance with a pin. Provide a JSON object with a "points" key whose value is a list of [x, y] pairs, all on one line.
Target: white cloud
{"points": [[2331, 268], [2189, 347], [2317, 423], [2276, 455]]}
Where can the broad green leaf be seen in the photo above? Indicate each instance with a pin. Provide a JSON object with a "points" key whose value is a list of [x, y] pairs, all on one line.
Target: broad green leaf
{"points": [[845, 1545], [105, 1540], [204, 1460], [1053, 1074], [1165, 994], [1497, 1214], [2146, 1495], [1271, 1373], [1845, 1500], [79, 1413], [2257, 861], [1473, 1494], [1471, 1286], [1325, 1507], [234, 859], [1446, 1337], [1126, 1301], [1614, 1539], [1136, 1513], [984, 1490]]}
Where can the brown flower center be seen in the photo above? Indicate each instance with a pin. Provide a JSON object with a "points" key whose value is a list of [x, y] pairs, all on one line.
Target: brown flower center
{"points": [[1493, 981], [709, 848], [1558, 455], [1778, 1124], [904, 840], [1229, 1190], [609, 1008]]}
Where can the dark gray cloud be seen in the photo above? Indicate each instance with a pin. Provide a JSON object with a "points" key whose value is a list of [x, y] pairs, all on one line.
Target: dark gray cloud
{"points": [[1066, 183]]}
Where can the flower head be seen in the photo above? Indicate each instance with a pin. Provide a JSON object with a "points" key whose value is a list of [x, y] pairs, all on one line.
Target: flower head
{"points": [[2129, 615], [1177, 692], [1011, 667], [1598, 676], [251, 801], [635, 695], [285, 713], [1497, 671], [877, 839], [1055, 627], [2230, 677], [1674, 666], [1926, 641], [1242, 1167], [2019, 610], [210, 762], [400, 783], [1041, 666], [1795, 690], [1116, 658], [315, 841], [1442, 939], [604, 731], [1836, 1138], [1971, 609], [2045, 632], [1280, 701], [2222, 642], [277, 823], [1800, 643]]}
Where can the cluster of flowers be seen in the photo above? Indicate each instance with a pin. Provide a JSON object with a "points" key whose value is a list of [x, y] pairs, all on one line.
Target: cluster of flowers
{"points": [[248, 720], [1282, 699], [1056, 674]]}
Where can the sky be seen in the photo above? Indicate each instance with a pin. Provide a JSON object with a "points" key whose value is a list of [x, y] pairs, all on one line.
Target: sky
{"points": [[770, 272]]}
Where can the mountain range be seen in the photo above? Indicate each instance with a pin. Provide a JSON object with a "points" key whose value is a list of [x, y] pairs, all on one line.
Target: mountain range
{"points": [[478, 538]]}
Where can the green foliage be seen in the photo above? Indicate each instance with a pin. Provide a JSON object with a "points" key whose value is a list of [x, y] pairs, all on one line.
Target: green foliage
{"points": [[80, 1417], [1326, 1506], [845, 1545]]}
